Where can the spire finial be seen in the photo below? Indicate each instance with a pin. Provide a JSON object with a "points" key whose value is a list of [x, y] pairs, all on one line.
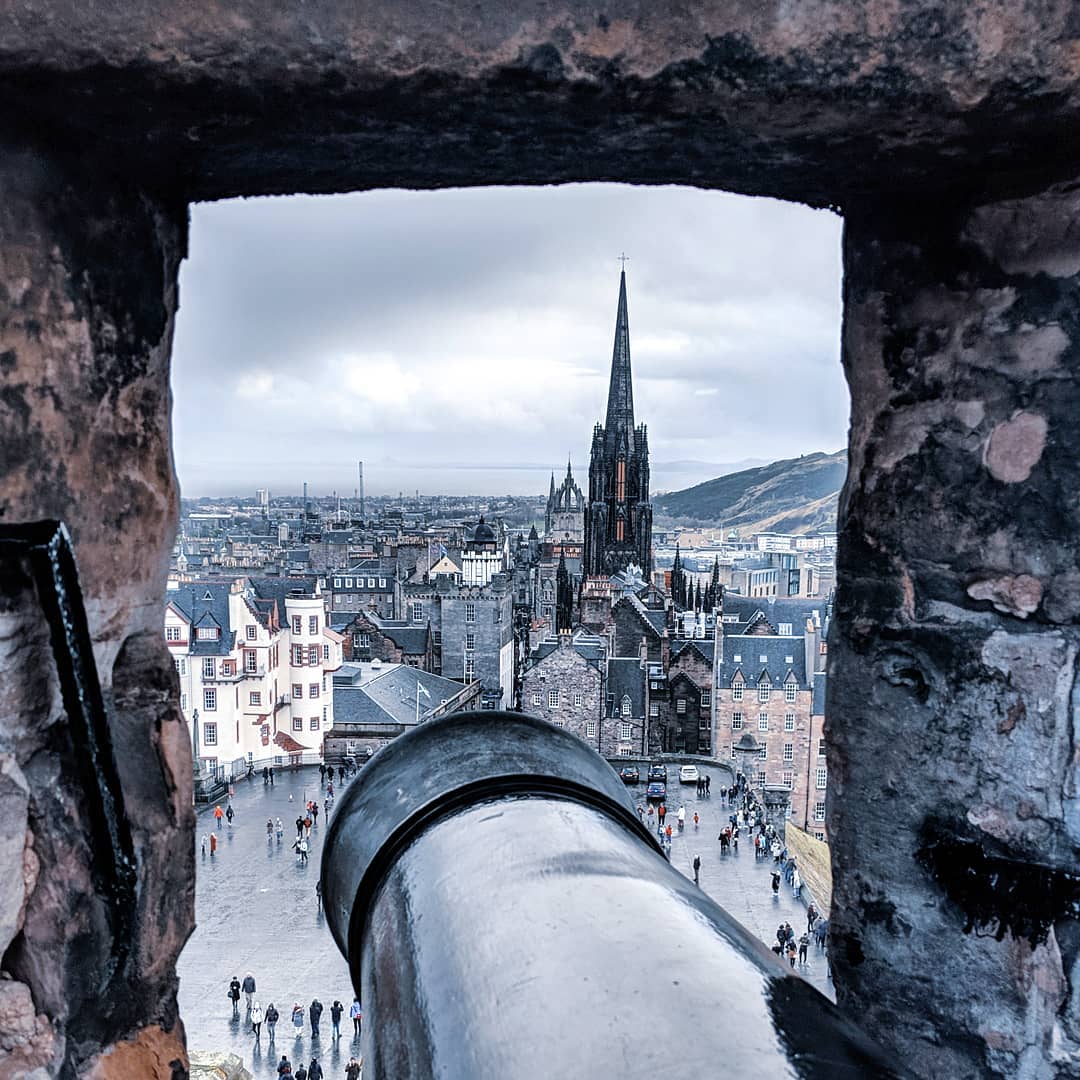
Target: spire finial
{"points": [[624, 259]]}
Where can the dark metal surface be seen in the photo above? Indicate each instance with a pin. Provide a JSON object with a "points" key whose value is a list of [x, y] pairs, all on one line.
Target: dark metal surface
{"points": [[506, 916], [46, 547]]}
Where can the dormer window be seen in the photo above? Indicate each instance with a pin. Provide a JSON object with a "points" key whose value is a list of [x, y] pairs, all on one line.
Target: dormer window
{"points": [[764, 691], [208, 633]]}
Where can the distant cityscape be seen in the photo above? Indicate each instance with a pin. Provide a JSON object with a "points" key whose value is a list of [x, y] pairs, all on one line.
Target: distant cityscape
{"points": [[309, 628]]}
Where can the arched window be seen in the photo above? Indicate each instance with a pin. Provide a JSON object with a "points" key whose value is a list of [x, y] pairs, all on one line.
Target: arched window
{"points": [[626, 705]]}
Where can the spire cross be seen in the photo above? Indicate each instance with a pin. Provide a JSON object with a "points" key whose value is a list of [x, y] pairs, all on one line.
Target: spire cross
{"points": [[624, 259]]}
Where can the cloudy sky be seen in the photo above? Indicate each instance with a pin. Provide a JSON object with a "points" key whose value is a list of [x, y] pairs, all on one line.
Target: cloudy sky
{"points": [[460, 341]]}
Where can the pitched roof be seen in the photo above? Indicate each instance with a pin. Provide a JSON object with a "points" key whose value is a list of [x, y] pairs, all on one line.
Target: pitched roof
{"points": [[818, 706], [205, 604], [626, 678], [390, 696], [782, 655]]}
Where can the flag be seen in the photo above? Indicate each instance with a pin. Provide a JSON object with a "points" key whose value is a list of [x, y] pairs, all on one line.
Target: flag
{"points": [[420, 688]]}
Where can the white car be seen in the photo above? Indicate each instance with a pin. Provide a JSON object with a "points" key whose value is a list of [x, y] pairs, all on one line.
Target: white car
{"points": [[689, 774]]}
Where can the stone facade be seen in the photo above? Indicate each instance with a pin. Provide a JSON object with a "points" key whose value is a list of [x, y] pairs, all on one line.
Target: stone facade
{"points": [[566, 688], [680, 708]]}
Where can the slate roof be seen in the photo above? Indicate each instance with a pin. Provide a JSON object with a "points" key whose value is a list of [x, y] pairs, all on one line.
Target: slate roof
{"points": [[267, 592], [626, 676], [389, 696], [818, 706], [588, 646], [655, 620], [776, 611], [750, 648], [205, 603], [705, 646]]}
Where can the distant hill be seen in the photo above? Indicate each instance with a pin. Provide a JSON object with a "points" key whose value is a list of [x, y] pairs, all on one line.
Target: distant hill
{"points": [[798, 495]]}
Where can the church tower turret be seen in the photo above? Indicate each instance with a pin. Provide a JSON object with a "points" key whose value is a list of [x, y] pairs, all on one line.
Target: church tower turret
{"points": [[618, 518]]}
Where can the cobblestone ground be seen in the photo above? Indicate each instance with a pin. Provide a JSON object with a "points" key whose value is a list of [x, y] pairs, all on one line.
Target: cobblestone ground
{"points": [[256, 911]]}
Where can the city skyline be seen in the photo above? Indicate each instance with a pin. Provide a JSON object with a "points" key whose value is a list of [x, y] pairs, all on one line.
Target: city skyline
{"points": [[459, 341]]}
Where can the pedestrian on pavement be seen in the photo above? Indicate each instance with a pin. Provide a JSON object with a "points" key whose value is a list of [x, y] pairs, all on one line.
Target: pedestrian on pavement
{"points": [[708, 785], [279, 830], [218, 814], [781, 934], [696, 820], [330, 774], [301, 848], [284, 1067], [234, 995], [307, 824], [336, 1009], [667, 833], [650, 813], [355, 1016], [322, 774], [315, 1011], [735, 839], [204, 843], [811, 917], [298, 1018], [230, 813], [314, 1070], [804, 944], [315, 812], [681, 815], [256, 1019], [249, 989], [791, 952], [318, 893], [269, 830], [213, 844], [272, 1016], [266, 776], [776, 884], [661, 813], [352, 1070], [326, 804], [299, 827], [697, 869], [301, 1072], [796, 883], [271, 775], [776, 852], [641, 812]]}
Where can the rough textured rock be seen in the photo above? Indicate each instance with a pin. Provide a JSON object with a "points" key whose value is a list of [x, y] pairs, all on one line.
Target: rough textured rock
{"points": [[14, 805], [954, 653], [818, 101], [87, 295]]}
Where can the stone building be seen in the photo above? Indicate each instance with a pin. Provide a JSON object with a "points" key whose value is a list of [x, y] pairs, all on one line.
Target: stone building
{"points": [[680, 699], [624, 727], [564, 684], [368, 637], [369, 585], [638, 628], [768, 654], [618, 517], [564, 516]]}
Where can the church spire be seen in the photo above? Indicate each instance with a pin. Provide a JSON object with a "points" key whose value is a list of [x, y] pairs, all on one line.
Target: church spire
{"points": [[620, 405]]}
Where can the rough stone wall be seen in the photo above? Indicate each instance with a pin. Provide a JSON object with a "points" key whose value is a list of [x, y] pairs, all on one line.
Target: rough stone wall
{"points": [[87, 296], [812, 858], [952, 717], [567, 671]]}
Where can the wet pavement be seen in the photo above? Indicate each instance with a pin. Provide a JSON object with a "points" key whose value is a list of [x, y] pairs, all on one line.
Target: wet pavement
{"points": [[256, 910]]}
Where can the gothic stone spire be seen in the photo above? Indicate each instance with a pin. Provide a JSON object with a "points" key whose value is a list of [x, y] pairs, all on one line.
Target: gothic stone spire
{"points": [[620, 405]]}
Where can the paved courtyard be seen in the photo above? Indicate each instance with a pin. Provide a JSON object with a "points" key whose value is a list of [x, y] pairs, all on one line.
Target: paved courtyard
{"points": [[256, 910]]}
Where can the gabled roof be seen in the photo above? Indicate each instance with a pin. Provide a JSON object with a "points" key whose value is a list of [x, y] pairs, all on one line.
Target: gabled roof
{"points": [[390, 696], [706, 647], [750, 648], [205, 604], [652, 620], [626, 678]]}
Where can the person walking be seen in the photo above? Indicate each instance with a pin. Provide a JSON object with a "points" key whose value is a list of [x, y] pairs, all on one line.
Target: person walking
{"points": [[279, 830], [213, 844], [301, 1072], [708, 786], [697, 869], [299, 826], [298, 1018], [791, 951], [315, 1010], [696, 820], [661, 813], [269, 830], [804, 944], [204, 843], [336, 1009], [776, 884], [352, 1070], [256, 1020], [315, 812], [284, 1067], [681, 817], [796, 883], [811, 917], [301, 848], [230, 814], [266, 776], [271, 1016], [249, 989], [314, 1070], [355, 1016], [271, 775], [322, 774], [218, 814], [667, 834], [307, 824], [234, 995]]}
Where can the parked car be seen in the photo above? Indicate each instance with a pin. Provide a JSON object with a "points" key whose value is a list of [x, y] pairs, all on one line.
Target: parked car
{"points": [[658, 772], [689, 774], [656, 790], [629, 774]]}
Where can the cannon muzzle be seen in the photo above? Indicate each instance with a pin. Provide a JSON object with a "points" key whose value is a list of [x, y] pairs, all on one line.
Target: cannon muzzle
{"points": [[506, 916]]}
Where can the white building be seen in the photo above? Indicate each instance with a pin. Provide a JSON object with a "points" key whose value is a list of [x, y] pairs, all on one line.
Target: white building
{"points": [[254, 657]]}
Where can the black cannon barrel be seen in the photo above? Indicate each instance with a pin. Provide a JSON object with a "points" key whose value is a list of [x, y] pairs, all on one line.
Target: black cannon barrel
{"points": [[506, 916]]}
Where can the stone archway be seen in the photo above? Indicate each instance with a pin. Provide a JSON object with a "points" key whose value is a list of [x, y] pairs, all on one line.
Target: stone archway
{"points": [[947, 137]]}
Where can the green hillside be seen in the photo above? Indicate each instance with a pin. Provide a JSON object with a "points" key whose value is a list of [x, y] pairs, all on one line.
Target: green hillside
{"points": [[797, 495]]}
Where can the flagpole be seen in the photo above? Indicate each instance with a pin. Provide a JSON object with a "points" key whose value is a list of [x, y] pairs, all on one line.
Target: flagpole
{"points": [[418, 701]]}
